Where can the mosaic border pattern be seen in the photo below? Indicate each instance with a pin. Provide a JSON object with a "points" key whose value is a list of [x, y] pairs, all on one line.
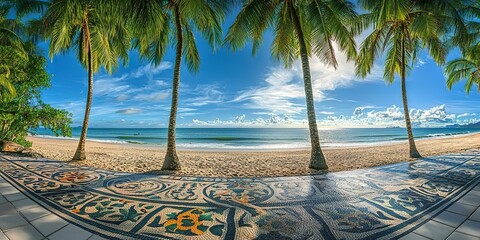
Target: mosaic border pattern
{"points": [[377, 203]]}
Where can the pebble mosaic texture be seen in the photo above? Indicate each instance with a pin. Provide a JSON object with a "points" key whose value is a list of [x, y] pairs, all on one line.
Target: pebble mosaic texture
{"points": [[377, 203]]}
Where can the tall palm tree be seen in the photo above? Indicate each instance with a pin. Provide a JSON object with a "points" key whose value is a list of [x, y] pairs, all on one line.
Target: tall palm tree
{"points": [[300, 29], [401, 28], [92, 28], [157, 24]]}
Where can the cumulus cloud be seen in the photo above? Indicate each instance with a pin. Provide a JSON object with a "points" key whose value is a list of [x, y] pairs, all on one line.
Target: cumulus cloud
{"points": [[243, 121], [436, 114], [361, 117], [282, 91], [394, 116]]}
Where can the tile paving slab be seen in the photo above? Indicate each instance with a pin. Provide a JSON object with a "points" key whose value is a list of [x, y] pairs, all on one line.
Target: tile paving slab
{"points": [[70, 232], [22, 218], [451, 219], [49, 224], [27, 232], [462, 236], [24, 204], [33, 213], [11, 221], [15, 196], [475, 216], [434, 230], [462, 209], [414, 236], [470, 227]]}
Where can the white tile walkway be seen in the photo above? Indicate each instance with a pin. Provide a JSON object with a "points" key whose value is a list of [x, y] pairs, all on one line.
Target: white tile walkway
{"points": [[460, 221], [23, 219]]}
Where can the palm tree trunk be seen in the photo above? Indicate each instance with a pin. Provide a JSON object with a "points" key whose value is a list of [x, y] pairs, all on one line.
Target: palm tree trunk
{"points": [[171, 161], [80, 153], [413, 149], [317, 160]]}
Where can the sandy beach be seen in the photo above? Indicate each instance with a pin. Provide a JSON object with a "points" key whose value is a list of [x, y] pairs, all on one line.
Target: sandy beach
{"points": [[137, 158]]}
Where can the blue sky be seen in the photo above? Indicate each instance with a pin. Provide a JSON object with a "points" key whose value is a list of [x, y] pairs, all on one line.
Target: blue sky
{"points": [[236, 89]]}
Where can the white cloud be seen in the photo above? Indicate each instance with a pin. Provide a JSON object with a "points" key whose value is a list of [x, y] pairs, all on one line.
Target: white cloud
{"points": [[466, 115], [119, 89], [282, 86], [359, 111], [205, 94], [436, 114], [394, 116], [283, 89], [129, 111], [122, 97], [391, 116], [153, 97], [242, 121], [150, 70], [326, 113], [160, 83], [110, 86]]}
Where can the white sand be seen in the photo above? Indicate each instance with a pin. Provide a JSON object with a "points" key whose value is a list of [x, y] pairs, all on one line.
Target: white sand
{"points": [[137, 158]]}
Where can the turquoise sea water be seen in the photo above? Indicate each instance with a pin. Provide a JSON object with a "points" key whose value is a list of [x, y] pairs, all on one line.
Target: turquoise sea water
{"points": [[258, 138]]}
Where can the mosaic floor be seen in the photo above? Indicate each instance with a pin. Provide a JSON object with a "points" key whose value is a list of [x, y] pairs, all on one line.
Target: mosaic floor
{"points": [[377, 203]]}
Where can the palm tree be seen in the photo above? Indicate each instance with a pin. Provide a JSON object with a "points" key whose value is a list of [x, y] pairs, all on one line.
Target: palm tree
{"points": [[300, 29], [11, 40], [157, 24], [13, 36], [467, 67], [401, 28], [92, 28]]}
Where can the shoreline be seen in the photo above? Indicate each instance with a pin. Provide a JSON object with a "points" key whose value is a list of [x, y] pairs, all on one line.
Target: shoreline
{"points": [[339, 145], [287, 162]]}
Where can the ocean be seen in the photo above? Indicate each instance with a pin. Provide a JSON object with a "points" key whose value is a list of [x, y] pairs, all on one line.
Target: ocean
{"points": [[258, 138]]}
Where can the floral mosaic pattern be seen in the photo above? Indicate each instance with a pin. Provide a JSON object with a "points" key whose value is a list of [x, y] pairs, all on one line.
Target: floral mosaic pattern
{"points": [[378, 203]]}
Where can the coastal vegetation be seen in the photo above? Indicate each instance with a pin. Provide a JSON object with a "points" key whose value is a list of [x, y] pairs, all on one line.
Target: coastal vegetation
{"points": [[26, 110], [397, 30], [23, 76]]}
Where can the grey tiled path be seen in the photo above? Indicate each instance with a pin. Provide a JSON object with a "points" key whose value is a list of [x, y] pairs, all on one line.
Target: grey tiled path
{"points": [[23, 219], [460, 221]]}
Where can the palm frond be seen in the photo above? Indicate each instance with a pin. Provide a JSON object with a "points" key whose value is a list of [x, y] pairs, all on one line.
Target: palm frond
{"points": [[252, 21], [460, 69], [192, 57]]}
